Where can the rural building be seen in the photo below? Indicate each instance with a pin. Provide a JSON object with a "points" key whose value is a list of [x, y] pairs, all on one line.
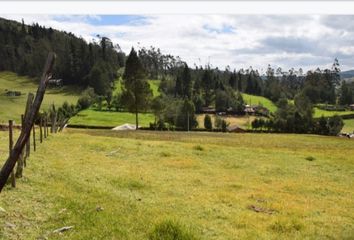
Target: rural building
{"points": [[13, 93], [351, 107], [250, 110], [55, 82], [209, 110]]}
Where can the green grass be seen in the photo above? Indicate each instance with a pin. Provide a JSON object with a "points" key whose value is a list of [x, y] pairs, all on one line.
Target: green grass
{"points": [[90, 117], [319, 112], [154, 86], [13, 107], [348, 126], [255, 100], [153, 184]]}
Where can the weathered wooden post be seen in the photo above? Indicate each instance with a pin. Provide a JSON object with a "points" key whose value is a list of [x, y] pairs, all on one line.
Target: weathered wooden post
{"points": [[26, 131], [27, 111], [40, 129], [11, 144], [20, 159], [45, 126], [53, 117], [34, 137]]}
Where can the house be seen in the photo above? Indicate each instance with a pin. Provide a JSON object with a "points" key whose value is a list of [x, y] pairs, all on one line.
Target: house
{"points": [[250, 110], [208, 110], [13, 93], [351, 106], [55, 82], [236, 129]]}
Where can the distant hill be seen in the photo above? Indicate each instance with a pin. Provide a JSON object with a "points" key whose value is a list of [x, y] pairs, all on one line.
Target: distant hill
{"points": [[347, 74]]}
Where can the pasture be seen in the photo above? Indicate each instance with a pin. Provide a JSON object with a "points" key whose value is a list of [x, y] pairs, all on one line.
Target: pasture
{"points": [[149, 185], [12, 107], [348, 126], [91, 117]]}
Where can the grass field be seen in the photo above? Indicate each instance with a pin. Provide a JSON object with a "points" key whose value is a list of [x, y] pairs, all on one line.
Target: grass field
{"points": [[348, 126], [139, 185], [319, 112], [154, 86], [242, 121], [255, 100], [13, 107], [90, 117]]}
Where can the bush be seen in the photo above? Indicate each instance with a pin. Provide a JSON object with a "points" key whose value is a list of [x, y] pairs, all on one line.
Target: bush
{"points": [[169, 230], [207, 122], [87, 98]]}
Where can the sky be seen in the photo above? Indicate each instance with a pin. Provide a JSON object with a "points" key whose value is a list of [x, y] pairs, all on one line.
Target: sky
{"points": [[237, 41]]}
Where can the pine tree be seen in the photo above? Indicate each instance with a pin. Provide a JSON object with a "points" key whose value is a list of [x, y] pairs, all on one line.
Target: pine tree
{"points": [[136, 92]]}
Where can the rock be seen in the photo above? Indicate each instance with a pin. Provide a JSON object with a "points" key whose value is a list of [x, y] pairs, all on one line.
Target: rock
{"points": [[63, 229], [99, 208], [10, 225]]}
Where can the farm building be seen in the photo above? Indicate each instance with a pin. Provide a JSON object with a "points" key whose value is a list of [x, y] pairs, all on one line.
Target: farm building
{"points": [[250, 109], [351, 107], [55, 82], [209, 110], [13, 93]]}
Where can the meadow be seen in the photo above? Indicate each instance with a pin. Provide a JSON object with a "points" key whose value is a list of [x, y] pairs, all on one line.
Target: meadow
{"points": [[13, 107], [175, 185], [348, 126], [91, 117]]}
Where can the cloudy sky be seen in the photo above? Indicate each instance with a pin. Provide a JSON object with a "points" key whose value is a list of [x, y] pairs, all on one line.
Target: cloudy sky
{"points": [[240, 41]]}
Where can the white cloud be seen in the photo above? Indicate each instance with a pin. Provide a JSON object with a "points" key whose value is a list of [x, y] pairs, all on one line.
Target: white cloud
{"points": [[288, 41]]}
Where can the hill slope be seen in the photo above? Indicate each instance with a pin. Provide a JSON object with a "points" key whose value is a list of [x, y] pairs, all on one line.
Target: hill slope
{"points": [[13, 107]]}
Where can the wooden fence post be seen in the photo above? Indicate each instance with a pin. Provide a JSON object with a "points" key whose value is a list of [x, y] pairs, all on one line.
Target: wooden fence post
{"points": [[40, 129], [34, 137], [11, 144], [20, 159], [29, 120], [45, 125]]}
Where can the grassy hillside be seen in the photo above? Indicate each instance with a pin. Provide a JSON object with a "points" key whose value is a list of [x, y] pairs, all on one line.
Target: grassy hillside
{"points": [[13, 107], [154, 86], [319, 112], [136, 185], [348, 126], [255, 100], [90, 117]]}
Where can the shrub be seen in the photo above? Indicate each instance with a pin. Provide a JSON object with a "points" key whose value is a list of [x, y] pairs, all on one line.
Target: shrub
{"points": [[198, 147], [87, 98], [170, 230], [207, 122], [310, 158]]}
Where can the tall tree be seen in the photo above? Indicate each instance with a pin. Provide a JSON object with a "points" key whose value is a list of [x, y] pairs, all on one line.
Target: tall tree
{"points": [[136, 89]]}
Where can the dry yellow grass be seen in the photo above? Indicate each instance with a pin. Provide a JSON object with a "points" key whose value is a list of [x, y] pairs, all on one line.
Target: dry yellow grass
{"points": [[206, 181]]}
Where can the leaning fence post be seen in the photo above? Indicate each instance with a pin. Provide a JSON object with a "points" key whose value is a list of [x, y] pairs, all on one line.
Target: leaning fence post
{"points": [[27, 111], [11, 143], [29, 120]]}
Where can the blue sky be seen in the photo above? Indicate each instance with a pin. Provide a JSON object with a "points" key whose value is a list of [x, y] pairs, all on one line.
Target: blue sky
{"points": [[240, 41]]}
